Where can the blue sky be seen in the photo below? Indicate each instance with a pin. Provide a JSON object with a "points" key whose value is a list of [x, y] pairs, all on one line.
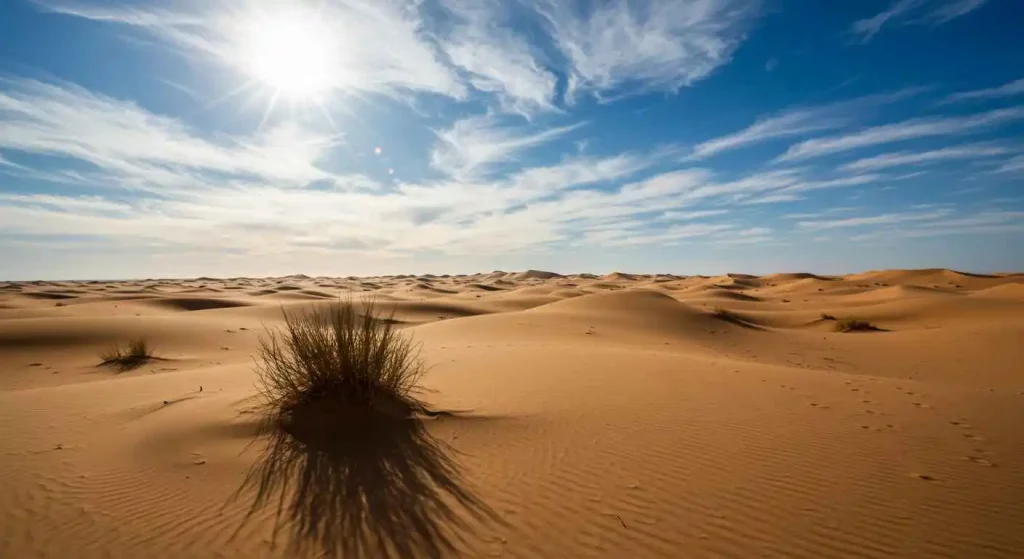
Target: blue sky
{"points": [[364, 137]]}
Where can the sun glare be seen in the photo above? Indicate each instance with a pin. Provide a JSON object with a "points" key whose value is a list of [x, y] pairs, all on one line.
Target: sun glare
{"points": [[292, 53]]}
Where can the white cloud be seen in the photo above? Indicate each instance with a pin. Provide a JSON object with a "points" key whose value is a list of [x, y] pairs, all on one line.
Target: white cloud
{"points": [[869, 27], [952, 9], [823, 213], [983, 223], [883, 219], [645, 44], [856, 180], [901, 12], [131, 147], [772, 199], [793, 123], [1010, 89], [801, 121], [473, 145], [693, 214], [69, 203], [4, 162], [1012, 165], [904, 158], [900, 131], [632, 238], [498, 60], [753, 235]]}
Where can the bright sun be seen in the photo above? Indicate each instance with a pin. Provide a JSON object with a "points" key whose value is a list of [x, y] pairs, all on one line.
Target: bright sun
{"points": [[291, 52]]}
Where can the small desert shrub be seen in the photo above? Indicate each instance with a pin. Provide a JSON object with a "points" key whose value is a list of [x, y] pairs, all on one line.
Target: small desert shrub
{"points": [[826, 316], [337, 360], [854, 325], [724, 313], [124, 358]]}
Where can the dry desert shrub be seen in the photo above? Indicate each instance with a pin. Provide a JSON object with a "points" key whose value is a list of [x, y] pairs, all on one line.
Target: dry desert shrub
{"points": [[133, 355], [345, 357], [854, 325]]}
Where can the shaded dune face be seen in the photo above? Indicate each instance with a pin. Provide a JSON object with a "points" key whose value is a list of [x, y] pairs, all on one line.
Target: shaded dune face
{"points": [[600, 415]]}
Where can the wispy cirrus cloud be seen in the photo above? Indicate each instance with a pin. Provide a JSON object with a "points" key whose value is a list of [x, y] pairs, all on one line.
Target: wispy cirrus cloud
{"points": [[820, 214], [499, 61], [130, 147], [1010, 89], [801, 122], [1012, 165], [952, 9], [882, 219], [869, 27], [793, 123], [646, 44], [907, 12], [979, 223], [473, 145], [692, 214], [907, 158], [900, 131]]}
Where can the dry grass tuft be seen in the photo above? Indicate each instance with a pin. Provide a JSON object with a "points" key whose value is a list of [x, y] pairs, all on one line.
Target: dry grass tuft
{"points": [[826, 316], [136, 354], [349, 468], [854, 325], [725, 314], [341, 359]]}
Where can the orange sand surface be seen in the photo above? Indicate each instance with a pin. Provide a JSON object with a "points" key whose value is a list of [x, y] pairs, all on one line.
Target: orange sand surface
{"points": [[623, 415]]}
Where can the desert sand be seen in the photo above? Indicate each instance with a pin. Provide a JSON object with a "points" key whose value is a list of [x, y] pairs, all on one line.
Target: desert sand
{"points": [[620, 415]]}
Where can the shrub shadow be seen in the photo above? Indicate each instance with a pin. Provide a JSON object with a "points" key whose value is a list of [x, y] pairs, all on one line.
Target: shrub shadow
{"points": [[370, 485]]}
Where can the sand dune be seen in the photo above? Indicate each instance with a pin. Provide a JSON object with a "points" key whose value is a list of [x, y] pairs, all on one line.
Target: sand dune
{"points": [[622, 415]]}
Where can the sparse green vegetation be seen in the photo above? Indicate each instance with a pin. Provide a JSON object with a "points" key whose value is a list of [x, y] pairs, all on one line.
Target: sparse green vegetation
{"points": [[128, 357], [854, 325], [337, 360]]}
